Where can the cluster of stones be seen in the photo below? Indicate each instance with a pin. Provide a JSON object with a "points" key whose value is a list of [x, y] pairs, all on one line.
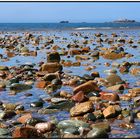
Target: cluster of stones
{"points": [[90, 107]]}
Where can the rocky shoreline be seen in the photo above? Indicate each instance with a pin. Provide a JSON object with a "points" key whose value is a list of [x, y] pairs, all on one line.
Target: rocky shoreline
{"points": [[74, 85]]}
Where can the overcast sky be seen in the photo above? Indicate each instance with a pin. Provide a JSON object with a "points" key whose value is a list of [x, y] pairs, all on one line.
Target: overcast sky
{"points": [[72, 11]]}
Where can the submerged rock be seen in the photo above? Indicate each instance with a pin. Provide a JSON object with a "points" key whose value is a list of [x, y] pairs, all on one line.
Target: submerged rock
{"points": [[47, 111], [62, 105], [113, 55], [135, 71], [20, 87], [102, 125], [116, 87], [72, 130], [114, 79]]}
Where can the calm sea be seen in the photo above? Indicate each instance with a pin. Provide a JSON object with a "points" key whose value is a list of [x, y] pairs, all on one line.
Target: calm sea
{"points": [[65, 26]]}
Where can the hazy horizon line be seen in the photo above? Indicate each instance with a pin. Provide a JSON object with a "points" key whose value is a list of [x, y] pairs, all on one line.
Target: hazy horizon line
{"points": [[71, 22]]}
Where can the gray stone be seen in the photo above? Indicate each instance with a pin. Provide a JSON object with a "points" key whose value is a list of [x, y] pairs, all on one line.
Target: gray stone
{"points": [[57, 100], [6, 114], [72, 123], [97, 133], [47, 111], [20, 87], [62, 105], [4, 131], [72, 130]]}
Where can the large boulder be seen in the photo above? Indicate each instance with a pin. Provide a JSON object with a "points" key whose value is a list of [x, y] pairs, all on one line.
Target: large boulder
{"points": [[51, 67], [81, 108], [87, 87]]}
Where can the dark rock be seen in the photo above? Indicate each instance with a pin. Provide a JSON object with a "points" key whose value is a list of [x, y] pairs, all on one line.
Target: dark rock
{"points": [[37, 104], [88, 77], [53, 57], [97, 133], [7, 114], [20, 87], [95, 54], [56, 82], [90, 117], [98, 114], [50, 77], [62, 105], [102, 125], [33, 121]]}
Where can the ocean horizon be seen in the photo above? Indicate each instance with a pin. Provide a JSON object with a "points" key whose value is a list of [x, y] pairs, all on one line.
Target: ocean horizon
{"points": [[66, 26]]}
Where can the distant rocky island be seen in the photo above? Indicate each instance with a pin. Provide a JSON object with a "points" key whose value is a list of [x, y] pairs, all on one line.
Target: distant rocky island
{"points": [[64, 21], [124, 21]]}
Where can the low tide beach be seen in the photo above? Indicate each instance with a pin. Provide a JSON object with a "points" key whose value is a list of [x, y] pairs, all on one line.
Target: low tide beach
{"points": [[70, 81]]}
